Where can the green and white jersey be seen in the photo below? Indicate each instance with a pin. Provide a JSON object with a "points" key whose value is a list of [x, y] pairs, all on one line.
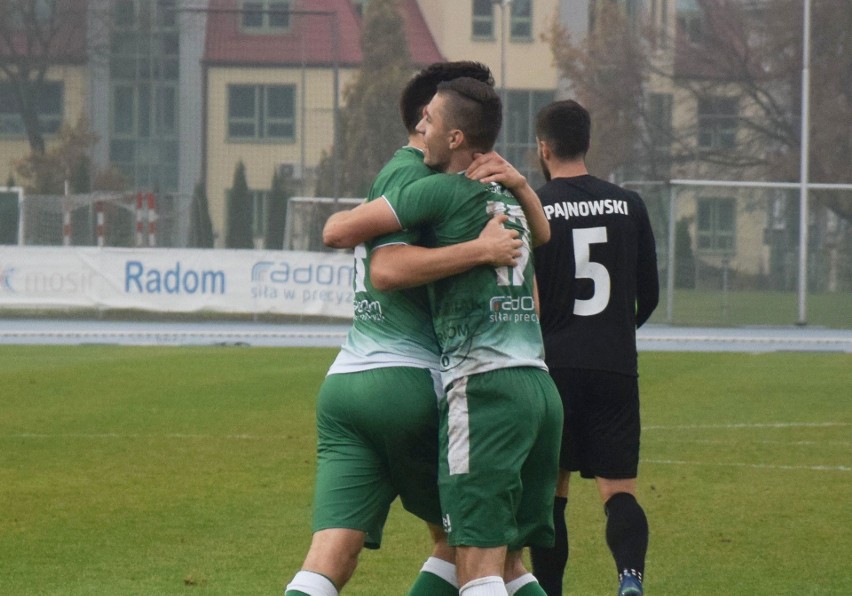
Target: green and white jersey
{"points": [[484, 318], [389, 328]]}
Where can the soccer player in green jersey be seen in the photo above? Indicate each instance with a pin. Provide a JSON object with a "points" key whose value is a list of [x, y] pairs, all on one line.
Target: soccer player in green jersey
{"points": [[377, 415], [501, 417]]}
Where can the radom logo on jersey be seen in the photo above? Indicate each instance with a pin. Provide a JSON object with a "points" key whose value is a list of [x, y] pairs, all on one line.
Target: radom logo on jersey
{"points": [[512, 309]]}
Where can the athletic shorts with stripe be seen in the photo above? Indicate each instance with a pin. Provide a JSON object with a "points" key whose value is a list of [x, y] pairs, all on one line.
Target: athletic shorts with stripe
{"points": [[602, 426], [499, 438], [377, 438]]}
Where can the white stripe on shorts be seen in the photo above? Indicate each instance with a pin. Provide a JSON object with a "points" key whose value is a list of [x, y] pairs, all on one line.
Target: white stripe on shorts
{"points": [[458, 428]]}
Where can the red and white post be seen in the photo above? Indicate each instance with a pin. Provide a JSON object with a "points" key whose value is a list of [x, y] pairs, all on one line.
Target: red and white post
{"points": [[139, 226], [152, 220], [66, 223], [66, 217], [99, 222]]}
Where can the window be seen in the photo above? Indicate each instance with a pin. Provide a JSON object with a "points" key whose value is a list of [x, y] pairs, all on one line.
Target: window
{"points": [[261, 112], [19, 15], [48, 109], [632, 12], [660, 22], [521, 21], [690, 20], [717, 122], [144, 133], [716, 225], [143, 63], [144, 111], [483, 19], [265, 15], [145, 43]]}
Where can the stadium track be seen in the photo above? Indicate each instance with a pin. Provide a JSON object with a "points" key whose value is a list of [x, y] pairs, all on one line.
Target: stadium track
{"points": [[20, 331]]}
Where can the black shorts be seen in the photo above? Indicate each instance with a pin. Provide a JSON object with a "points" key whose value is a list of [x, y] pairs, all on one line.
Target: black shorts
{"points": [[601, 429]]}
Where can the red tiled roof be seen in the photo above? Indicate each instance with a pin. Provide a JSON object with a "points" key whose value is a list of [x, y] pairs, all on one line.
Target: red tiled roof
{"points": [[313, 37], [421, 44]]}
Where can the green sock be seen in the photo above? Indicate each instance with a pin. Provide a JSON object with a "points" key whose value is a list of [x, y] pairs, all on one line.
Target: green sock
{"points": [[429, 584], [437, 578], [526, 585], [531, 589], [295, 593]]}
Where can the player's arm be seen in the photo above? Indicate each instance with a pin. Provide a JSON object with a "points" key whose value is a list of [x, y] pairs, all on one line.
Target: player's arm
{"points": [[647, 276], [491, 167], [536, 299], [398, 266], [348, 229]]}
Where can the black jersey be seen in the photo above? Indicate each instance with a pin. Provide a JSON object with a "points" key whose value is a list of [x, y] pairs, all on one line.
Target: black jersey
{"points": [[597, 277]]}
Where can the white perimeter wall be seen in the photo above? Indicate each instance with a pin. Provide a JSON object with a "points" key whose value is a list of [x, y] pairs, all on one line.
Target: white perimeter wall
{"points": [[177, 280]]}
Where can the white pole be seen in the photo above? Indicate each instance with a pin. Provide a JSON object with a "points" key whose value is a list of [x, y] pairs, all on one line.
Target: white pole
{"points": [[803, 165], [505, 29], [672, 263], [21, 215]]}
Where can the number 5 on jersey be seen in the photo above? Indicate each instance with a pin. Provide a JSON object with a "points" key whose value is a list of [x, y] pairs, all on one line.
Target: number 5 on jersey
{"points": [[588, 269]]}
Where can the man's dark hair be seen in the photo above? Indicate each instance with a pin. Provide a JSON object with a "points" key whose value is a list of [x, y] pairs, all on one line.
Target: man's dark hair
{"points": [[422, 86], [566, 127], [474, 108]]}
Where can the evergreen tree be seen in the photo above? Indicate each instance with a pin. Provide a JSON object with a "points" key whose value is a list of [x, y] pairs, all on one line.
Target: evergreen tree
{"points": [[239, 233], [371, 128], [201, 233], [276, 219], [684, 257]]}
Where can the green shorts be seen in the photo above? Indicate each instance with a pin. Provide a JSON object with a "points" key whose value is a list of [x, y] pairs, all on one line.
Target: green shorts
{"points": [[499, 440], [377, 438]]}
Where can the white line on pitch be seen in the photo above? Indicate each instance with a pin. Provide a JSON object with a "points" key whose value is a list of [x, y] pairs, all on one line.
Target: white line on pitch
{"points": [[746, 425], [752, 442], [675, 462], [141, 436]]}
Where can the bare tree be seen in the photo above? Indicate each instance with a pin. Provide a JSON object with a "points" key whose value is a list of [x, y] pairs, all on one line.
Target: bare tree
{"points": [[607, 71], [370, 121], [35, 35], [735, 62]]}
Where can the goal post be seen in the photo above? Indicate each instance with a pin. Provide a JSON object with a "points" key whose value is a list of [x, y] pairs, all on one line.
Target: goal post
{"points": [[101, 218], [11, 223]]}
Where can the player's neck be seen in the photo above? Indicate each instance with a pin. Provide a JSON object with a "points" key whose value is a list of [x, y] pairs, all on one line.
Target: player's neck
{"points": [[416, 141], [567, 169], [459, 161]]}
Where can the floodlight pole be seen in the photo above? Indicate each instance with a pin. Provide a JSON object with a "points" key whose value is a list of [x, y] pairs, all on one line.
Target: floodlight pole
{"points": [[803, 164]]}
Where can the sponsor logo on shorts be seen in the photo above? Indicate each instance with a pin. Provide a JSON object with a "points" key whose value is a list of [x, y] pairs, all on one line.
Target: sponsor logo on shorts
{"points": [[445, 520]]}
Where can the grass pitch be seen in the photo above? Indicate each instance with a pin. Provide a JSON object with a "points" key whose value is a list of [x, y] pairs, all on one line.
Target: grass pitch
{"points": [[136, 470]]}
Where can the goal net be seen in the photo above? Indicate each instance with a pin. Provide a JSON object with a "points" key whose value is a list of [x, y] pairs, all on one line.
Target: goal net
{"points": [[306, 217], [126, 219]]}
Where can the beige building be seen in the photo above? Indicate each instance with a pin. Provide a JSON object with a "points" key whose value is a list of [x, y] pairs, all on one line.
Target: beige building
{"points": [[180, 91], [63, 101], [308, 58]]}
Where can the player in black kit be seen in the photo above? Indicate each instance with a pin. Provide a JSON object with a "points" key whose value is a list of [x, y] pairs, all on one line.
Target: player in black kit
{"points": [[597, 282]]}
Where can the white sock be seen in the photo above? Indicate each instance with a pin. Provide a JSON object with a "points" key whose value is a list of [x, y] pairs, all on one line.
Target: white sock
{"points": [[491, 585], [312, 583], [518, 583], [443, 569]]}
